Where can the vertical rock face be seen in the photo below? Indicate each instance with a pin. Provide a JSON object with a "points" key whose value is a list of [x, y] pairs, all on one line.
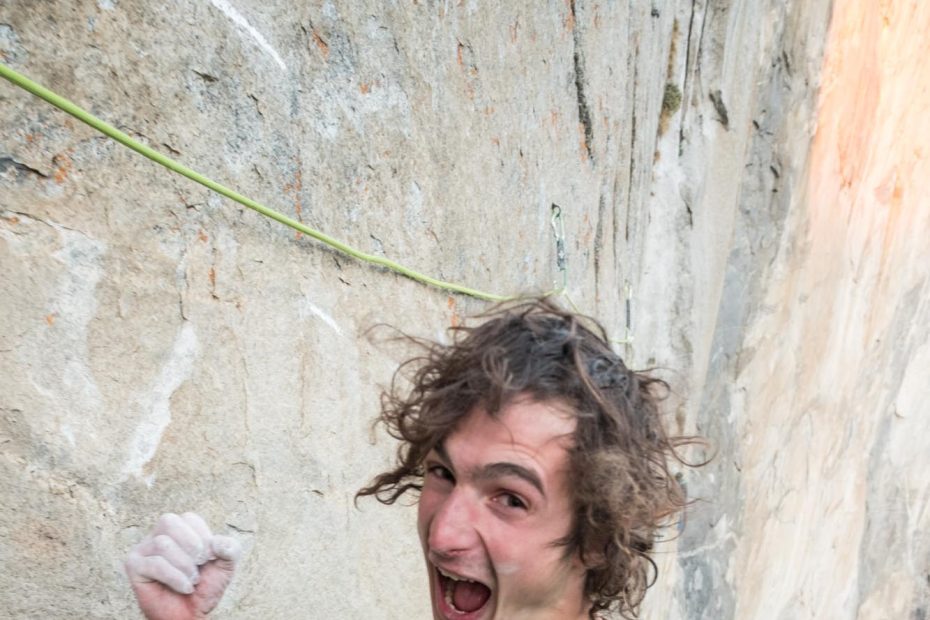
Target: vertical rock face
{"points": [[806, 335], [166, 349], [842, 335]]}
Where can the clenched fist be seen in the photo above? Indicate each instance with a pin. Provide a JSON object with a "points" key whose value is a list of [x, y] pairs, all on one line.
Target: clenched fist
{"points": [[180, 570]]}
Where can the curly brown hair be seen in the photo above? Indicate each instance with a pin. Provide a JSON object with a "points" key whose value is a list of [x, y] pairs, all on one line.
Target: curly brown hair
{"points": [[623, 491]]}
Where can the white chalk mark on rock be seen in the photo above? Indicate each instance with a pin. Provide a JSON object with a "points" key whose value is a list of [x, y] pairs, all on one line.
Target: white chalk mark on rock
{"points": [[156, 403], [63, 373], [237, 18], [308, 306], [68, 434]]}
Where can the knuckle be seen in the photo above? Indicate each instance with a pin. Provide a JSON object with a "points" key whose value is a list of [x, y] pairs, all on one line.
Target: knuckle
{"points": [[140, 546], [197, 523], [163, 543]]}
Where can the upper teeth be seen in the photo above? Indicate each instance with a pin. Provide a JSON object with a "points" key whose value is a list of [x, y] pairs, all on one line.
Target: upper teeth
{"points": [[453, 577]]}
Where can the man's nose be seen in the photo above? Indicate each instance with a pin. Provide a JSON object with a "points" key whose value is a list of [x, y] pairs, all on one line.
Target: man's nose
{"points": [[452, 529]]}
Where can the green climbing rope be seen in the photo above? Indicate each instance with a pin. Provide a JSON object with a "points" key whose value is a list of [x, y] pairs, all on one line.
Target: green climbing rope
{"points": [[114, 133]]}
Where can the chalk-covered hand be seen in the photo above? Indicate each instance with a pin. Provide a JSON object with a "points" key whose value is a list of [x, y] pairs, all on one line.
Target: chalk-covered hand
{"points": [[180, 570]]}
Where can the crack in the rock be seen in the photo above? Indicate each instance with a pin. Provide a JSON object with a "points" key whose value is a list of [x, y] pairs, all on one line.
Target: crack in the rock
{"points": [[684, 86], [206, 77], [379, 243], [598, 242], [716, 97], [8, 162], [39, 220], [181, 284], [240, 530], [584, 113], [629, 189], [27, 216], [615, 223]]}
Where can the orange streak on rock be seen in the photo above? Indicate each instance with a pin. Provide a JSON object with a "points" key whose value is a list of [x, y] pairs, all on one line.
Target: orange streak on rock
{"points": [[582, 143], [454, 320], [298, 205], [822, 354], [321, 44], [296, 189], [868, 174], [63, 165]]}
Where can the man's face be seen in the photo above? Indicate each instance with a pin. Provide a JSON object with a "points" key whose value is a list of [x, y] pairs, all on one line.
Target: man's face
{"points": [[495, 500]]}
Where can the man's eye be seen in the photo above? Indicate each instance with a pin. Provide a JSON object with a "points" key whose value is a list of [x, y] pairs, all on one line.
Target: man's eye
{"points": [[440, 472], [512, 501]]}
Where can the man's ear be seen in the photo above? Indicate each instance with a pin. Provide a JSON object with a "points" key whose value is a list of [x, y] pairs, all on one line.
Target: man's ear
{"points": [[592, 559], [591, 554]]}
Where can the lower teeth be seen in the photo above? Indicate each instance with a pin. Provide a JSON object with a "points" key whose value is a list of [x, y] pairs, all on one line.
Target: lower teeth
{"points": [[449, 587]]}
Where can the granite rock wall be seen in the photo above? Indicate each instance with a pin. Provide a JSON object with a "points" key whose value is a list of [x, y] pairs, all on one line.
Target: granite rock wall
{"points": [[740, 185]]}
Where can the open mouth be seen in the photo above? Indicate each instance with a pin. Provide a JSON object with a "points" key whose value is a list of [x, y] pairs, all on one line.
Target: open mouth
{"points": [[465, 598]]}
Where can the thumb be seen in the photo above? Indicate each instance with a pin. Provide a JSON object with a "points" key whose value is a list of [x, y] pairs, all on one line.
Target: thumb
{"points": [[227, 551], [216, 574]]}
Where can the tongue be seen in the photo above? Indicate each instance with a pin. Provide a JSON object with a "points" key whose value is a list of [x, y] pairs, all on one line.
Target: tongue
{"points": [[469, 596]]}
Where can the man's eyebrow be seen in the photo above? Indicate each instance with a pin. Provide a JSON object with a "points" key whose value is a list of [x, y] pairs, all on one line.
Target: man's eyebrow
{"points": [[505, 469], [441, 451], [492, 471]]}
